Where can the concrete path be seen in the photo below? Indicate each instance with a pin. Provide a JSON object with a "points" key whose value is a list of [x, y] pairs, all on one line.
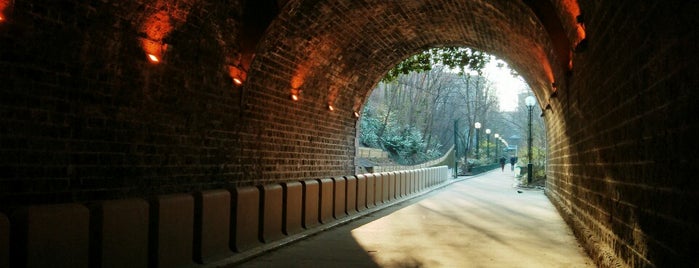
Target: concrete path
{"points": [[478, 222]]}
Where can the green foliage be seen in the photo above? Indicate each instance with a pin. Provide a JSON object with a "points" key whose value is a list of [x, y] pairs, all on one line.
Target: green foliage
{"points": [[405, 144], [452, 57], [371, 125]]}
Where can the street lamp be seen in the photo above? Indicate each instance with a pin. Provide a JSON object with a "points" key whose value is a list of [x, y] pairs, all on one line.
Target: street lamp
{"points": [[529, 101], [478, 130], [497, 145], [487, 144]]}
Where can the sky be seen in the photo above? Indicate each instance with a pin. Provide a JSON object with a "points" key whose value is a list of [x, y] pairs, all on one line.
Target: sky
{"points": [[506, 86]]}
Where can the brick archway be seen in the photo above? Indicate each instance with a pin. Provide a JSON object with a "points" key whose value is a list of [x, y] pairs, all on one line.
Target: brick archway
{"points": [[86, 116], [316, 48]]}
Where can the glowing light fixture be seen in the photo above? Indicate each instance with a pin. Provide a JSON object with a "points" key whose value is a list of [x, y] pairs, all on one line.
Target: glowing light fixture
{"points": [[331, 108], [238, 74], [582, 35], [356, 114], [554, 90], [2, 18], [153, 58], [295, 94]]}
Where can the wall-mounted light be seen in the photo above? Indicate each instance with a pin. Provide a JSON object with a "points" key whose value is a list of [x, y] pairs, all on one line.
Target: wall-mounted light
{"points": [[356, 114], [554, 90], [295, 94], [331, 108], [237, 74], [153, 58], [154, 50], [582, 35]]}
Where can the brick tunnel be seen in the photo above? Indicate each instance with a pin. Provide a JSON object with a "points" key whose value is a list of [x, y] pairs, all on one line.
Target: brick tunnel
{"points": [[116, 100]]}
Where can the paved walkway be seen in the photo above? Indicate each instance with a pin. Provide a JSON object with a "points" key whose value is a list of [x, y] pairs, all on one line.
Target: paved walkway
{"points": [[478, 222]]}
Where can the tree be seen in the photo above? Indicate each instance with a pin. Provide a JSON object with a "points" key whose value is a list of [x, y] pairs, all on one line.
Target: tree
{"points": [[461, 59], [410, 113]]}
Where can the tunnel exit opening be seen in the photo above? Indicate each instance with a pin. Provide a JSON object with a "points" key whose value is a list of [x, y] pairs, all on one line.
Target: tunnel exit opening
{"points": [[424, 104]]}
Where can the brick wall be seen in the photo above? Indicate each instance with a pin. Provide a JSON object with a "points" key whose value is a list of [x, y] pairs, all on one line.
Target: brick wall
{"points": [[620, 138], [85, 116]]}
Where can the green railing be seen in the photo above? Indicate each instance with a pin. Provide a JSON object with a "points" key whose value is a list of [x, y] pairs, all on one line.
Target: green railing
{"points": [[473, 170]]}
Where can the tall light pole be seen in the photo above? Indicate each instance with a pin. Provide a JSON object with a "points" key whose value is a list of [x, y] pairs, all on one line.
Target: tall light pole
{"points": [[487, 144], [478, 130], [530, 101], [456, 149], [497, 145]]}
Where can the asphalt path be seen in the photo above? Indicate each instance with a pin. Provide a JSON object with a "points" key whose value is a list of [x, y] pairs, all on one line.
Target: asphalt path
{"points": [[481, 221]]}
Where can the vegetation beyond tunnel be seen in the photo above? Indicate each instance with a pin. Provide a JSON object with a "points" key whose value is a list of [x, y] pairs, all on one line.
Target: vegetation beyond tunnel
{"points": [[113, 100]]}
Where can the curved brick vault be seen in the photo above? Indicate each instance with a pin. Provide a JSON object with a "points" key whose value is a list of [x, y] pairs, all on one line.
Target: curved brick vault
{"points": [[86, 116]]}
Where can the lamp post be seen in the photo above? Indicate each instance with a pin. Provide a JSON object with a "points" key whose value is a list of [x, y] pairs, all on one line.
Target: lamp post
{"points": [[487, 143], [497, 146], [529, 101], [478, 130], [456, 149]]}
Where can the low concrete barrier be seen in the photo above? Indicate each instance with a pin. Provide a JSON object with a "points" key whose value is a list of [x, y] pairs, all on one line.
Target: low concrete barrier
{"points": [[378, 189], [272, 198], [405, 183], [370, 190], [361, 192], [392, 194], [119, 231], [384, 188], [178, 230], [212, 222], [245, 216], [311, 197], [292, 220], [325, 211], [340, 195], [351, 194], [50, 236], [4, 241], [412, 178], [172, 230]]}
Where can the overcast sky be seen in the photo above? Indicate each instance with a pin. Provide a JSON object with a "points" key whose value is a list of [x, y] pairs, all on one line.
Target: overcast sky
{"points": [[507, 86]]}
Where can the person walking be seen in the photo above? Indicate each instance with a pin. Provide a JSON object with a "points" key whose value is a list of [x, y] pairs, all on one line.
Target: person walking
{"points": [[502, 163], [513, 160]]}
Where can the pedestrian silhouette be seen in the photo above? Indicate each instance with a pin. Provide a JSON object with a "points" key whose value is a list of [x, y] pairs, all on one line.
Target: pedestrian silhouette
{"points": [[502, 163]]}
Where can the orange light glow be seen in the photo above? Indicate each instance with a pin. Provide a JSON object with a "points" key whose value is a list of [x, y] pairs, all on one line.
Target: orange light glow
{"points": [[3, 5], [153, 58], [581, 31], [156, 27], [570, 60], [294, 97], [573, 9], [331, 108], [237, 74]]}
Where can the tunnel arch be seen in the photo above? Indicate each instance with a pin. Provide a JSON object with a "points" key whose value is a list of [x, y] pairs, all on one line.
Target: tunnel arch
{"points": [[321, 51], [507, 29], [315, 49], [87, 117]]}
